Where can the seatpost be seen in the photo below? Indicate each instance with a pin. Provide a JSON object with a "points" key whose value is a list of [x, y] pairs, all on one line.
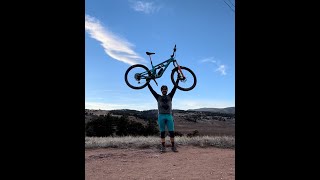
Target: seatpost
{"points": [[151, 60]]}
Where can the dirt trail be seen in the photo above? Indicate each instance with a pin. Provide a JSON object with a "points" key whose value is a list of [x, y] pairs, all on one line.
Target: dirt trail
{"points": [[139, 164]]}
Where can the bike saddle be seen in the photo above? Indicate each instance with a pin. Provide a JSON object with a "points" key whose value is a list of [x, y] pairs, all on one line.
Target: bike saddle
{"points": [[149, 53]]}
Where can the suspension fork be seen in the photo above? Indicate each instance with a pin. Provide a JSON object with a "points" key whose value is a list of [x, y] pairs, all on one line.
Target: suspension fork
{"points": [[179, 70]]}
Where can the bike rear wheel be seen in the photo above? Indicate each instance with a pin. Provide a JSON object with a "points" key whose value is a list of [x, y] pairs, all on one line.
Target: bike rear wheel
{"points": [[136, 76], [186, 84]]}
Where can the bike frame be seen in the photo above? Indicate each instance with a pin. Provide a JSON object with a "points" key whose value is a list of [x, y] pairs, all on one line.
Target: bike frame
{"points": [[144, 73], [164, 65], [153, 71]]}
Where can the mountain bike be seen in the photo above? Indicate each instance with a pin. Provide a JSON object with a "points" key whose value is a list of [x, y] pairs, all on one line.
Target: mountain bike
{"points": [[138, 76]]}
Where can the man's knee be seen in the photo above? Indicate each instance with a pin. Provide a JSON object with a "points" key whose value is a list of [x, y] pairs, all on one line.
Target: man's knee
{"points": [[171, 133], [162, 134]]}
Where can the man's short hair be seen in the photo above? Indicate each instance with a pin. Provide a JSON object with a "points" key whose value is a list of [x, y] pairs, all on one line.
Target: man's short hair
{"points": [[164, 87]]}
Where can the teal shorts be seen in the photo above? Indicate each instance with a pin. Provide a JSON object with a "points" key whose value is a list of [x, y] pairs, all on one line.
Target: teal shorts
{"points": [[165, 120]]}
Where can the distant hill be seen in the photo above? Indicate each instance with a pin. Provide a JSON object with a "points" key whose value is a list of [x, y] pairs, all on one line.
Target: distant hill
{"points": [[228, 110], [220, 110], [207, 121]]}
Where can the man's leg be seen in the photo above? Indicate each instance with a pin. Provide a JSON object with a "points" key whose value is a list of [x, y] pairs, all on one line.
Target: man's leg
{"points": [[163, 140], [171, 132], [162, 131]]}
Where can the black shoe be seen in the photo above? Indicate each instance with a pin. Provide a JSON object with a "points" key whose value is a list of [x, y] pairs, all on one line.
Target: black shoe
{"points": [[163, 149], [174, 149]]}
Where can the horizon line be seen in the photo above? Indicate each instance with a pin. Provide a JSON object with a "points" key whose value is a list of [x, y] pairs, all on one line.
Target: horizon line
{"points": [[157, 109]]}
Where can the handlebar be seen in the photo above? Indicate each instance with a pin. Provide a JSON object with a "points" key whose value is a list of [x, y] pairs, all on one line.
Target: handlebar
{"points": [[174, 50]]}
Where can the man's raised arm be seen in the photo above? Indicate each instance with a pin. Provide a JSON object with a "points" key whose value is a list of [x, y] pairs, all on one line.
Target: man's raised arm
{"points": [[155, 94], [173, 91]]}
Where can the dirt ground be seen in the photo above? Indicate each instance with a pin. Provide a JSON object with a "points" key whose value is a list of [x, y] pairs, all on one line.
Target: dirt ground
{"points": [[139, 164]]}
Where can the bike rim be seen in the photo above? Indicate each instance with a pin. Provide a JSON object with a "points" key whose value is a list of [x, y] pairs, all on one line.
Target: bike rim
{"points": [[186, 83], [136, 78]]}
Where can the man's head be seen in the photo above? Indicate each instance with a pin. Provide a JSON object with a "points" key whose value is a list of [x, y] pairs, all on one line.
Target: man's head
{"points": [[164, 90]]}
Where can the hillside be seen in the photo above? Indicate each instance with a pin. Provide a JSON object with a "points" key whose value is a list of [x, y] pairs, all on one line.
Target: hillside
{"points": [[230, 110], [204, 121]]}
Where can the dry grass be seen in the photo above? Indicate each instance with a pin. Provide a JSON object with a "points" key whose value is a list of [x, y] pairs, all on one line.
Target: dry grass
{"points": [[154, 141]]}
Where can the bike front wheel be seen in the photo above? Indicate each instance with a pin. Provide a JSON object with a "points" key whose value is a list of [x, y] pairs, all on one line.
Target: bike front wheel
{"points": [[136, 76], [186, 84]]}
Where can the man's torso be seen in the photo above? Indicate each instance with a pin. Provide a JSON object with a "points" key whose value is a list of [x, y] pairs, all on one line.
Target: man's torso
{"points": [[164, 104]]}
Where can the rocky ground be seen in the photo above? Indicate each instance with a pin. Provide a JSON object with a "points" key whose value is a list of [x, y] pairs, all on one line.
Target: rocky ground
{"points": [[189, 163]]}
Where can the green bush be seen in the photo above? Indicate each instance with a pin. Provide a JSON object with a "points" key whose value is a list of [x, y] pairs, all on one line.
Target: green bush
{"points": [[100, 127]]}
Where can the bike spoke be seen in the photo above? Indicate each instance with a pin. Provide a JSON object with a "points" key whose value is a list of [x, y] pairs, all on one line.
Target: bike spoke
{"points": [[187, 82], [136, 77]]}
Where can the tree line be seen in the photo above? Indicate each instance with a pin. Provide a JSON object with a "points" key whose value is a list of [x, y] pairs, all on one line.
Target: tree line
{"points": [[153, 113], [107, 125]]}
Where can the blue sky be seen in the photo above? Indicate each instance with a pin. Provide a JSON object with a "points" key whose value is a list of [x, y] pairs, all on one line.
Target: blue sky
{"points": [[119, 32]]}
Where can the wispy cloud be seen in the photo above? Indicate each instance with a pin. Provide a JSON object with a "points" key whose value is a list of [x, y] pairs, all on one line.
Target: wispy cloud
{"points": [[103, 106], [186, 104], [116, 47], [145, 7], [220, 67], [119, 99], [182, 104], [112, 106]]}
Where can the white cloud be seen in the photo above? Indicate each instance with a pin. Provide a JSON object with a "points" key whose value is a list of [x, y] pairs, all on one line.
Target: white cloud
{"points": [[210, 59], [102, 106], [182, 104], [145, 7], [110, 106], [186, 104], [220, 67], [115, 46]]}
